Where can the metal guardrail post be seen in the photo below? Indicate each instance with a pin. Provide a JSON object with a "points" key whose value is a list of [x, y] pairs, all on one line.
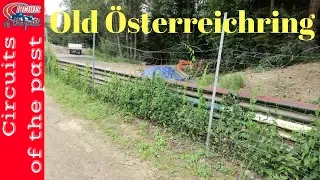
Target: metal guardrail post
{"points": [[215, 83]]}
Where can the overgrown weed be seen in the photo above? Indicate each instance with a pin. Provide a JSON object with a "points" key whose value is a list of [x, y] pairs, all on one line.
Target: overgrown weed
{"points": [[235, 134], [232, 82]]}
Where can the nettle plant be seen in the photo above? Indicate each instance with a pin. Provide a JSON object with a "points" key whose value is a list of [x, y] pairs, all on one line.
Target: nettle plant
{"points": [[234, 134]]}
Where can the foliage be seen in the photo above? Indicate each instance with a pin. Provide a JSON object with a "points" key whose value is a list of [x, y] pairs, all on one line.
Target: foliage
{"points": [[232, 82], [264, 50], [154, 144], [108, 58], [51, 63], [234, 134], [261, 146], [317, 101]]}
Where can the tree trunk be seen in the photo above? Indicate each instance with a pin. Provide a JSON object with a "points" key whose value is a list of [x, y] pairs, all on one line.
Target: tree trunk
{"points": [[127, 44], [119, 45], [135, 47], [271, 7], [131, 45], [314, 7], [115, 21], [127, 34]]}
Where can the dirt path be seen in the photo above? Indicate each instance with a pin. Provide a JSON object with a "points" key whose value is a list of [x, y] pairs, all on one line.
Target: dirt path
{"points": [[78, 150], [300, 82]]}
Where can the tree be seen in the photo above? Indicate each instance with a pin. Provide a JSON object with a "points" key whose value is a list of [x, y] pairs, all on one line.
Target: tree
{"points": [[314, 8], [271, 7], [163, 45]]}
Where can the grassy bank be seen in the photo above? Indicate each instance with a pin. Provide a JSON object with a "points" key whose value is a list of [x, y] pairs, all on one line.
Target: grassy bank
{"points": [[172, 153]]}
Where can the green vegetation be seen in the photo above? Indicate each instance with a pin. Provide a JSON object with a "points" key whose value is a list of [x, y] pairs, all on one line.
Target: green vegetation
{"points": [[168, 152], [232, 82], [259, 51], [235, 135], [112, 59], [317, 101], [241, 51]]}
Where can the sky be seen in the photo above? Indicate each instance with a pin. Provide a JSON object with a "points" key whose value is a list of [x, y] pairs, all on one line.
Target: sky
{"points": [[52, 6]]}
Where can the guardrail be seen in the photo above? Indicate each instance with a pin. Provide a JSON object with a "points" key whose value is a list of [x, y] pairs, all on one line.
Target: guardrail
{"points": [[288, 115]]}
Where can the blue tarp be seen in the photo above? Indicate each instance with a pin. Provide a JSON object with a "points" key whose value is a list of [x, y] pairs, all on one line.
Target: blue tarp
{"points": [[166, 72]]}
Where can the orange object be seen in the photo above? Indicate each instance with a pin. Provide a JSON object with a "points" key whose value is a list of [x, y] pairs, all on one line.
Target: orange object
{"points": [[183, 63]]}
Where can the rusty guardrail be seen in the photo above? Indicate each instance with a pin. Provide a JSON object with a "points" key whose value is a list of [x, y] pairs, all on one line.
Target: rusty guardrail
{"points": [[287, 115]]}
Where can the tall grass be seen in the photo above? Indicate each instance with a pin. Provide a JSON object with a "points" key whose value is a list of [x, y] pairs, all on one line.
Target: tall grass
{"points": [[232, 82]]}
